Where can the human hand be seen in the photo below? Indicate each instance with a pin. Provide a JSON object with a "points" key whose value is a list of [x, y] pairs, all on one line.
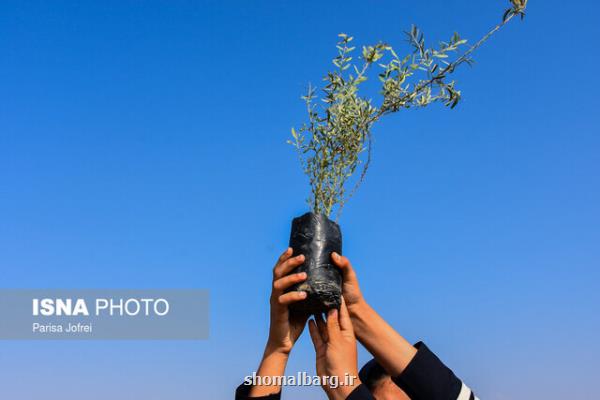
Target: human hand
{"points": [[335, 347], [285, 328], [350, 288]]}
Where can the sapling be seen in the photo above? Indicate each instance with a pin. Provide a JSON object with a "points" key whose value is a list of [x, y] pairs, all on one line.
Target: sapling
{"points": [[334, 145]]}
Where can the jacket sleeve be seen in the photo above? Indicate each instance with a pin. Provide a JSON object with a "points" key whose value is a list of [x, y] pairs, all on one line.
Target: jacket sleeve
{"points": [[243, 393], [427, 378]]}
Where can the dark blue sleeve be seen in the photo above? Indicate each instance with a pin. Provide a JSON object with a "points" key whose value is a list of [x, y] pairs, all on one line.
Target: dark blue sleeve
{"points": [[427, 378], [242, 393]]}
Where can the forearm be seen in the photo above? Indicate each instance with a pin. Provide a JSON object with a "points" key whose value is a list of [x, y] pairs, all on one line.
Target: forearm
{"points": [[272, 365], [388, 347]]}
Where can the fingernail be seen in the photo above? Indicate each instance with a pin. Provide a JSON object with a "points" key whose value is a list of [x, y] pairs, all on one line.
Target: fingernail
{"points": [[302, 295], [336, 255], [302, 275], [301, 257]]}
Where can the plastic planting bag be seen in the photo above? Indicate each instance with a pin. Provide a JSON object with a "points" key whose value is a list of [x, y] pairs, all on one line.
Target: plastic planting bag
{"points": [[316, 236]]}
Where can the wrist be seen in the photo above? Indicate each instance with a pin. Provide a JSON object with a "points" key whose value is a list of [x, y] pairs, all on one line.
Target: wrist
{"points": [[361, 316], [358, 308], [277, 349]]}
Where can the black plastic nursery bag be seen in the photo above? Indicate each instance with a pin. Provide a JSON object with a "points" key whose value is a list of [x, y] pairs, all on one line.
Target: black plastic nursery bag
{"points": [[316, 236]]}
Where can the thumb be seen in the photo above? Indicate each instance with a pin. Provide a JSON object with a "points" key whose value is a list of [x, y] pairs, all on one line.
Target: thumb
{"points": [[344, 265]]}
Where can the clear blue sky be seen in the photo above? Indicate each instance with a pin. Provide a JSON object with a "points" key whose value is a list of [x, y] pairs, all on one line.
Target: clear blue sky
{"points": [[142, 144]]}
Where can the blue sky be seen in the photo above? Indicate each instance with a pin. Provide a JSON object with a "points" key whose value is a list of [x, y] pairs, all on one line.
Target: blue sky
{"points": [[142, 145]]}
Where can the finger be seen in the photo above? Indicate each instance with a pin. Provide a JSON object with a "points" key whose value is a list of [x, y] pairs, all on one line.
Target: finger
{"points": [[345, 322], [315, 335], [284, 256], [322, 327], [291, 297], [333, 324], [287, 281], [343, 263], [288, 265]]}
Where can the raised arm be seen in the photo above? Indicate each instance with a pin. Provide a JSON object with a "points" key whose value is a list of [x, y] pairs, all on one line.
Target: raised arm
{"points": [[390, 349], [415, 369], [335, 348], [284, 331]]}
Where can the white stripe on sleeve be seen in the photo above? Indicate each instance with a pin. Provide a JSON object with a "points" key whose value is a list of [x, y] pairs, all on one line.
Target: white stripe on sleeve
{"points": [[465, 393]]}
